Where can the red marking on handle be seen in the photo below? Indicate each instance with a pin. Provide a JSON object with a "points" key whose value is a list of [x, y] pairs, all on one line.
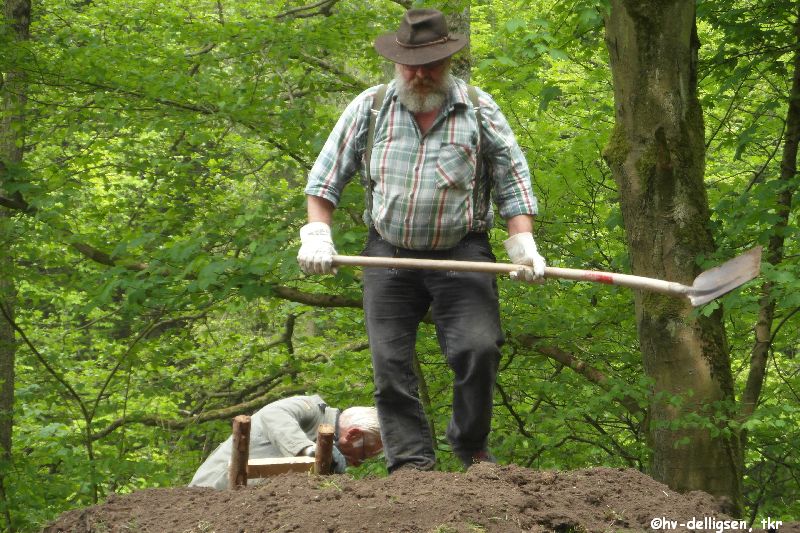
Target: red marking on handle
{"points": [[601, 278]]}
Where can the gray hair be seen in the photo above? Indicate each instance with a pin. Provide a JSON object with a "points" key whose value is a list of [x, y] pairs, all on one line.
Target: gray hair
{"points": [[364, 418]]}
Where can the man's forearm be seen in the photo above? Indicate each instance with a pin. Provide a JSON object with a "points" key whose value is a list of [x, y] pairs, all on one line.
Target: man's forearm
{"points": [[520, 224], [319, 209]]}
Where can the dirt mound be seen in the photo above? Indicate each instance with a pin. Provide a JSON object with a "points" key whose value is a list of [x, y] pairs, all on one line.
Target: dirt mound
{"points": [[487, 498]]}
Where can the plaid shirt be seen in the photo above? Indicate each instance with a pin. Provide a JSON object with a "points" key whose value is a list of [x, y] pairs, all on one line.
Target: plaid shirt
{"points": [[423, 192]]}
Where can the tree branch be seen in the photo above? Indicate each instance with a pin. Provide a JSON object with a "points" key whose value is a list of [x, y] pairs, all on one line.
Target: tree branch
{"points": [[84, 249], [181, 423], [71, 392], [317, 300], [203, 109], [206, 49], [631, 460], [225, 412], [323, 7], [101, 257], [589, 372], [17, 204], [333, 69], [510, 408]]}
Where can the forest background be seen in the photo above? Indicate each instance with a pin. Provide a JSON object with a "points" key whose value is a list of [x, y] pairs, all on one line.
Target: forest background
{"points": [[152, 160]]}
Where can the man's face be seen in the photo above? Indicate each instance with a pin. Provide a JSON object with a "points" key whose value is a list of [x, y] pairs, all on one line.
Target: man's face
{"points": [[424, 79], [423, 88], [356, 449]]}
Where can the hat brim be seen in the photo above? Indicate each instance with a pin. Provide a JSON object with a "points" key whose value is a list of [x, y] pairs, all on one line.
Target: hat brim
{"points": [[386, 45]]}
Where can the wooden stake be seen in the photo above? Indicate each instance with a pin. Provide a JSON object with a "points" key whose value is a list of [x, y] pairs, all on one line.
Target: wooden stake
{"points": [[324, 454], [237, 474]]}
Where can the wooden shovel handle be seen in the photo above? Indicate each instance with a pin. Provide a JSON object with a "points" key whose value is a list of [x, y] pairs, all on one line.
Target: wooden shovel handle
{"points": [[609, 278], [424, 264]]}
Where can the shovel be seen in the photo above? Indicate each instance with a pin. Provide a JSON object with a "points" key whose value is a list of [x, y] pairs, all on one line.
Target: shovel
{"points": [[710, 284]]}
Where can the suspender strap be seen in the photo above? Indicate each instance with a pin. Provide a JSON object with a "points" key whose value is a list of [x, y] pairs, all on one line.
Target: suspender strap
{"points": [[480, 191], [377, 103]]}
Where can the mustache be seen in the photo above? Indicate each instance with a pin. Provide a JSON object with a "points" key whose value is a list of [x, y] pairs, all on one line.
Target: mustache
{"points": [[426, 84], [422, 82]]}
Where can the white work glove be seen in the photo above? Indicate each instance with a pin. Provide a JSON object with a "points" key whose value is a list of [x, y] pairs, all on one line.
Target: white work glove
{"points": [[316, 251], [522, 250]]}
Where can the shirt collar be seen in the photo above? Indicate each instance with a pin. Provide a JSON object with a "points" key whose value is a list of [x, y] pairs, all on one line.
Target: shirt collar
{"points": [[457, 95]]}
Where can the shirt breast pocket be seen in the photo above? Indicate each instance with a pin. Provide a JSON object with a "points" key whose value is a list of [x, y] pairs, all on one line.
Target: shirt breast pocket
{"points": [[455, 167]]}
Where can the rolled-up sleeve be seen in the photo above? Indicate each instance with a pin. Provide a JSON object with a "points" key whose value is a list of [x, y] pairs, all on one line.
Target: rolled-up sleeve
{"points": [[511, 176], [340, 158]]}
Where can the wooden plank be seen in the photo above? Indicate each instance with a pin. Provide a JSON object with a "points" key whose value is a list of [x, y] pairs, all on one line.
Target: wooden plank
{"points": [[273, 466], [324, 453], [237, 473]]}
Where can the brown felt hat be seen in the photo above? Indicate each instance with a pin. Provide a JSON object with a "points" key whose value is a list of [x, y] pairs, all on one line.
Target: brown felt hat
{"points": [[422, 38]]}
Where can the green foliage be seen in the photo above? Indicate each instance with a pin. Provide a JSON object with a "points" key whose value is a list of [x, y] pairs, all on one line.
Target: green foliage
{"points": [[746, 79], [175, 139]]}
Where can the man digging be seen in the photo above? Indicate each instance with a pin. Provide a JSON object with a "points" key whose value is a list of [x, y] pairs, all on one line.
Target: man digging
{"points": [[433, 164]]}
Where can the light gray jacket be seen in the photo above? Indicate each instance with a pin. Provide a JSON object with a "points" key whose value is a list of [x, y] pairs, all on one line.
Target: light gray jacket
{"points": [[279, 429]]}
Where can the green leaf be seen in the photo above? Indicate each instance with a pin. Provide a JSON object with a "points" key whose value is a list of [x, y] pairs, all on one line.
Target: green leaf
{"points": [[513, 25], [546, 95]]}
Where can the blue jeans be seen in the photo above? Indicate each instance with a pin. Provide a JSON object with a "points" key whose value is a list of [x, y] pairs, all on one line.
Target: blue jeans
{"points": [[465, 310]]}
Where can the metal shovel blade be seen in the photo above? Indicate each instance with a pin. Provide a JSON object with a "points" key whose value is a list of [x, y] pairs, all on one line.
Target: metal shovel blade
{"points": [[722, 279]]}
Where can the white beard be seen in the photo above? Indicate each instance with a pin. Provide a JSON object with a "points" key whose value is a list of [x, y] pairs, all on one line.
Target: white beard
{"points": [[417, 102]]}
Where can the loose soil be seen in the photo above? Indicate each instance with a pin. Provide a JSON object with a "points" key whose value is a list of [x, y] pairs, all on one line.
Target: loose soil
{"points": [[486, 498]]}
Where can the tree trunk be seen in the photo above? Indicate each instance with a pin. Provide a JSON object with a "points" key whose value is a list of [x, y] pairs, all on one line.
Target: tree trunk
{"points": [[17, 14], [458, 21], [657, 157]]}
